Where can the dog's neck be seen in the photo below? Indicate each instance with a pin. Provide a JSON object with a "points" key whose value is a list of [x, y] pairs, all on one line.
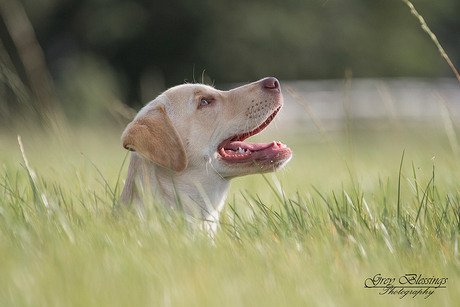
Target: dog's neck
{"points": [[190, 190]]}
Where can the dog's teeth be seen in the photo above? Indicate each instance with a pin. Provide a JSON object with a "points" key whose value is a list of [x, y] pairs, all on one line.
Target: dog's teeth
{"points": [[278, 144]]}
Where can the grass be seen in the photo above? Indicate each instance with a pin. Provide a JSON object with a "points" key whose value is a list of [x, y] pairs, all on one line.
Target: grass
{"points": [[308, 235], [433, 37]]}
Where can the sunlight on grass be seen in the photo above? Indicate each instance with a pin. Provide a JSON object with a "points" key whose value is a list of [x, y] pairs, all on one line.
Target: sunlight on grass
{"points": [[309, 235]]}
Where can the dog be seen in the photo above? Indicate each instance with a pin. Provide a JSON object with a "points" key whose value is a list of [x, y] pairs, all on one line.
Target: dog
{"points": [[189, 142]]}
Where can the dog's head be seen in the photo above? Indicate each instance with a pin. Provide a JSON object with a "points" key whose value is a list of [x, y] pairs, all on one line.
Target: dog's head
{"points": [[192, 125]]}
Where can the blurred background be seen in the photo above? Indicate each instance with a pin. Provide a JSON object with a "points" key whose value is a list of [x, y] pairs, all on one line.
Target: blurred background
{"points": [[93, 59]]}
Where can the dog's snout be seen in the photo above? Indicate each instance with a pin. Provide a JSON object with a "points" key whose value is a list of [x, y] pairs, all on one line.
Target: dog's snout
{"points": [[271, 83]]}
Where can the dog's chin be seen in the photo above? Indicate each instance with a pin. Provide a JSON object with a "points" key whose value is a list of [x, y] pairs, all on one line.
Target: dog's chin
{"points": [[230, 169]]}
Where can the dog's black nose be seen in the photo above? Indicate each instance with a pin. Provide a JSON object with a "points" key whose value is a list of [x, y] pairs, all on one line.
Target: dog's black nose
{"points": [[271, 83]]}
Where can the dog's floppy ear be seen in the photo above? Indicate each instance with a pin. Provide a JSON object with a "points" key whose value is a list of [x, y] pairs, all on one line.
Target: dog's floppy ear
{"points": [[153, 135]]}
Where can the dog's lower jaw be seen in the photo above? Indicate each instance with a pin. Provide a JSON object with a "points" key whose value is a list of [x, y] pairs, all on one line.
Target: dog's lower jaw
{"points": [[201, 197]]}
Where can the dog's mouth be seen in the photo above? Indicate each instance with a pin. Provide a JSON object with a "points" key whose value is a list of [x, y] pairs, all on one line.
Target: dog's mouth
{"points": [[235, 150]]}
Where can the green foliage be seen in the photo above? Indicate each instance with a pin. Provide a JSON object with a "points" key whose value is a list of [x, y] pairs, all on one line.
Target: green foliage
{"points": [[161, 43]]}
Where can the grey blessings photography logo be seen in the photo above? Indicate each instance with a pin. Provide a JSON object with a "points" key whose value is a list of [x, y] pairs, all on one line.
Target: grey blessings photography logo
{"points": [[407, 285]]}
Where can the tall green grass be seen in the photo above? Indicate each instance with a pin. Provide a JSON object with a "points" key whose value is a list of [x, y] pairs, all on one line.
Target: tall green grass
{"points": [[308, 235]]}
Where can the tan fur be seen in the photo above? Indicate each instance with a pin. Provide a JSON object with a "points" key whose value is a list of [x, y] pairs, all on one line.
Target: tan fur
{"points": [[154, 136]]}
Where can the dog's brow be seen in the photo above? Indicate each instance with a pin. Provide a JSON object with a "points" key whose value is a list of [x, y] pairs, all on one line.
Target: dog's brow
{"points": [[205, 91], [199, 91]]}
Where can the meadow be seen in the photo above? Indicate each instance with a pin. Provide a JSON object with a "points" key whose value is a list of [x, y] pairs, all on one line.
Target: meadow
{"points": [[371, 198]]}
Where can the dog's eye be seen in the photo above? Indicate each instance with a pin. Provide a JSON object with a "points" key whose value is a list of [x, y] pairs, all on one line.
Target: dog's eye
{"points": [[205, 101]]}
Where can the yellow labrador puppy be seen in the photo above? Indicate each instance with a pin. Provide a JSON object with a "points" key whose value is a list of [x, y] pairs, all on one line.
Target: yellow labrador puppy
{"points": [[189, 142]]}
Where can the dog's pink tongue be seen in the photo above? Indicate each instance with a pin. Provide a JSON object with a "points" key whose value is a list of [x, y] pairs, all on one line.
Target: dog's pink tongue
{"points": [[250, 146]]}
